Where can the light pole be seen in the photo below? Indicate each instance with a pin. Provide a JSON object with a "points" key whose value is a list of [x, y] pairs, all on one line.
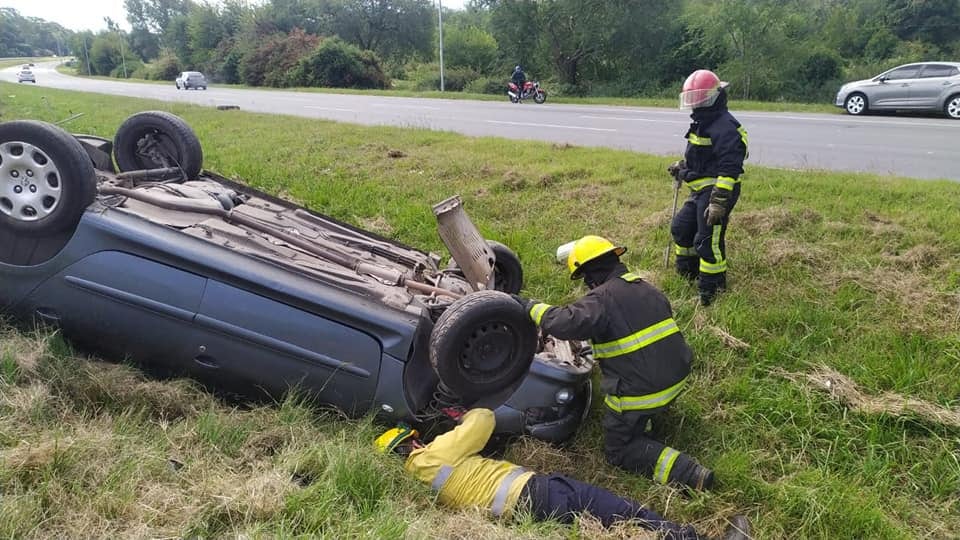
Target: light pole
{"points": [[440, 18], [123, 60]]}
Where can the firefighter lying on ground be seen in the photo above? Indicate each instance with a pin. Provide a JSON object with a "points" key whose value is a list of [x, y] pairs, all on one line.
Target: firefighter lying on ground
{"points": [[643, 358], [451, 464]]}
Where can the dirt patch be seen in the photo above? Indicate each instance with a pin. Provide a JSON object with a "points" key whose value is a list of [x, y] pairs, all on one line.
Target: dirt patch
{"points": [[486, 171], [546, 180], [396, 154], [513, 181], [920, 257], [777, 251], [657, 219], [377, 224], [563, 146], [774, 219], [846, 390]]}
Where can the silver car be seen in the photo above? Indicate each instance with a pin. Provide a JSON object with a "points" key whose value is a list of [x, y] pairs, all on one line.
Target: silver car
{"points": [[191, 79], [25, 75], [925, 86]]}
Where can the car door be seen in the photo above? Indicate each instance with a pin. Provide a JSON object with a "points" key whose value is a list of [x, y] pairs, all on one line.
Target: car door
{"points": [[255, 345], [934, 81], [123, 307], [893, 90]]}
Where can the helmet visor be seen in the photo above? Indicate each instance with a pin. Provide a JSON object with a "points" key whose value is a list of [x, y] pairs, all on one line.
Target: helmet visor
{"points": [[702, 97]]}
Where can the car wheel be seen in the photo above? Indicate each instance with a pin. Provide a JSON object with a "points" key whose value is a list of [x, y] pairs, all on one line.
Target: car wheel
{"points": [[507, 271], [157, 139], [952, 107], [46, 178], [856, 104], [481, 344]]}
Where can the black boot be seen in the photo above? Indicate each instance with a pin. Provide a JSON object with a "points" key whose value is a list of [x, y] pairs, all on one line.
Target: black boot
{"points": [[738, 529], [687, 472]]}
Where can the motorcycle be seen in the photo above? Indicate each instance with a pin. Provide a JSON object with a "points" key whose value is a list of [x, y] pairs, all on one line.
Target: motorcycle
{"points": [[530, 89]]}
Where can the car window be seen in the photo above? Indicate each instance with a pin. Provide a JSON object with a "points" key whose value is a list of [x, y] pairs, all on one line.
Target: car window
{"points": [[938, 70], [906, 72]]}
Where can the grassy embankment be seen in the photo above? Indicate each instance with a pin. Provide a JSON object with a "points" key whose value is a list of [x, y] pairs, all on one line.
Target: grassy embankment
{"points": [[856, 272], [773, 106]]}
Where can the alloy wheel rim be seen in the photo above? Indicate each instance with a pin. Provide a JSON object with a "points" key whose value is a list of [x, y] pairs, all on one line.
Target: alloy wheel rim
{"points": [[855, 105], [953, 109], [30, 182]]}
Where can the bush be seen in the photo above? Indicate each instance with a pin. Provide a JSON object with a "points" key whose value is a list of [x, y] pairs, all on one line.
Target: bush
{"points": [[454, 80], [271, 62], [166, 68], [338, 64], [487, 85], [470, 47]]}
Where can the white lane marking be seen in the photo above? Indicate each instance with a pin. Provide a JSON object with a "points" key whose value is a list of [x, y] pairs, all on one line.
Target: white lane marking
{"points": [[684, 122], [547, 125], [391, 106], [330, 109]]}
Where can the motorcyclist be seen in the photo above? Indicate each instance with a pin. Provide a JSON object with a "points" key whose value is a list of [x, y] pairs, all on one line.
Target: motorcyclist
{"points": [[518, 78]]}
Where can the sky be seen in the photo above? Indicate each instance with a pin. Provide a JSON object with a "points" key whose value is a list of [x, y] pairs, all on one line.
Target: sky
{"points": [[89, 14]]}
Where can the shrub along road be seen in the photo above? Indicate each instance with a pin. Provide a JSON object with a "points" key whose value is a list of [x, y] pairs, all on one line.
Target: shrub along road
{"points": [[917, 147]]}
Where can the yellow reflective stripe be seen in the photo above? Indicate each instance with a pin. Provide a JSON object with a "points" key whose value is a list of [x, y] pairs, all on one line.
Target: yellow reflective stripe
{"points": [[713, 268], [684, 251], [725, 182], [537, 311], [637, 340], [743, 137], [698, 140], [642, 403], [630, 277], [715, 245], [700, 183], [661, 473]]}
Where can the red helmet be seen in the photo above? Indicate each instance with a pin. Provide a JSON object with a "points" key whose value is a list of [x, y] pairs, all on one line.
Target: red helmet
{"points": [[700, 89]]}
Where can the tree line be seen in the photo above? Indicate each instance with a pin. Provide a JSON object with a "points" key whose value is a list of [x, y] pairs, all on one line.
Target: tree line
{"points": [[31, 36], [769, 49]]}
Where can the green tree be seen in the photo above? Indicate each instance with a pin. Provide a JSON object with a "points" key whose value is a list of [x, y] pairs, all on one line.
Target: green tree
{"points": [[397, 29], [470, 47]]}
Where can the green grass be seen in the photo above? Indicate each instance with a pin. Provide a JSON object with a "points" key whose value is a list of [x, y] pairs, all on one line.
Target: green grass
{"points": [[852, 271]]}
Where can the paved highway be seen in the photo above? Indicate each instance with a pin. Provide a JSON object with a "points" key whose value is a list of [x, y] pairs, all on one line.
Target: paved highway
{"points": [[919, 147]]}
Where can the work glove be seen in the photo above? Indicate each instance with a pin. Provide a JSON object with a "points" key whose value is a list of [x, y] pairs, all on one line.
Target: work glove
{"points": [[454, 413], [676, 170], [717, 208]]}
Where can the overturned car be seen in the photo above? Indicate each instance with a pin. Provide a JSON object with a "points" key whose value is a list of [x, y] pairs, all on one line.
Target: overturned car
{"points": [[134, 252]]}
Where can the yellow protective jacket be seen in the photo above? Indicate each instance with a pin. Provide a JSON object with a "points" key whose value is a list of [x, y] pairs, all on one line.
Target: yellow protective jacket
{"points": [[462, 478]]}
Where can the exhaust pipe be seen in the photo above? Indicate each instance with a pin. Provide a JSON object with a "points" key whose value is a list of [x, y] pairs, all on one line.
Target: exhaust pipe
{"points": [[470, 251]]}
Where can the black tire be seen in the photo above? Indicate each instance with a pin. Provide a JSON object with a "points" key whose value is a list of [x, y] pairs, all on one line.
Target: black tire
{"points": [[174, 143], [46, 178], [507, 271], [856, 104], [482, 344], [540, 96], [951, 107]]}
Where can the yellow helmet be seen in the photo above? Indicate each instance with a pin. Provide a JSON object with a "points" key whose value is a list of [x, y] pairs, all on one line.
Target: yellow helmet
{"points": [[587, 249], [393, 437]]}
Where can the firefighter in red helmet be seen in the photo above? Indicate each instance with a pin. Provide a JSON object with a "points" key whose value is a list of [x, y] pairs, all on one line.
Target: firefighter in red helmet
{"points": [[711, 169]]}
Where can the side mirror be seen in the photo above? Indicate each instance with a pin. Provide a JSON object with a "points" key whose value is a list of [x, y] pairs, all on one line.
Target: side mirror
{"points": [[882, 79]]}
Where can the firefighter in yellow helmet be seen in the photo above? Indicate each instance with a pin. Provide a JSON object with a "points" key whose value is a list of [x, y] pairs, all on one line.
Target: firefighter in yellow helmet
{"points": [[452, 466], [643, 358]]}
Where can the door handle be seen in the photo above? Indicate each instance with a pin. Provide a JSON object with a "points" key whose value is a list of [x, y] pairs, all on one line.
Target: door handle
{"points": [[48, 316], [207, 361]]}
